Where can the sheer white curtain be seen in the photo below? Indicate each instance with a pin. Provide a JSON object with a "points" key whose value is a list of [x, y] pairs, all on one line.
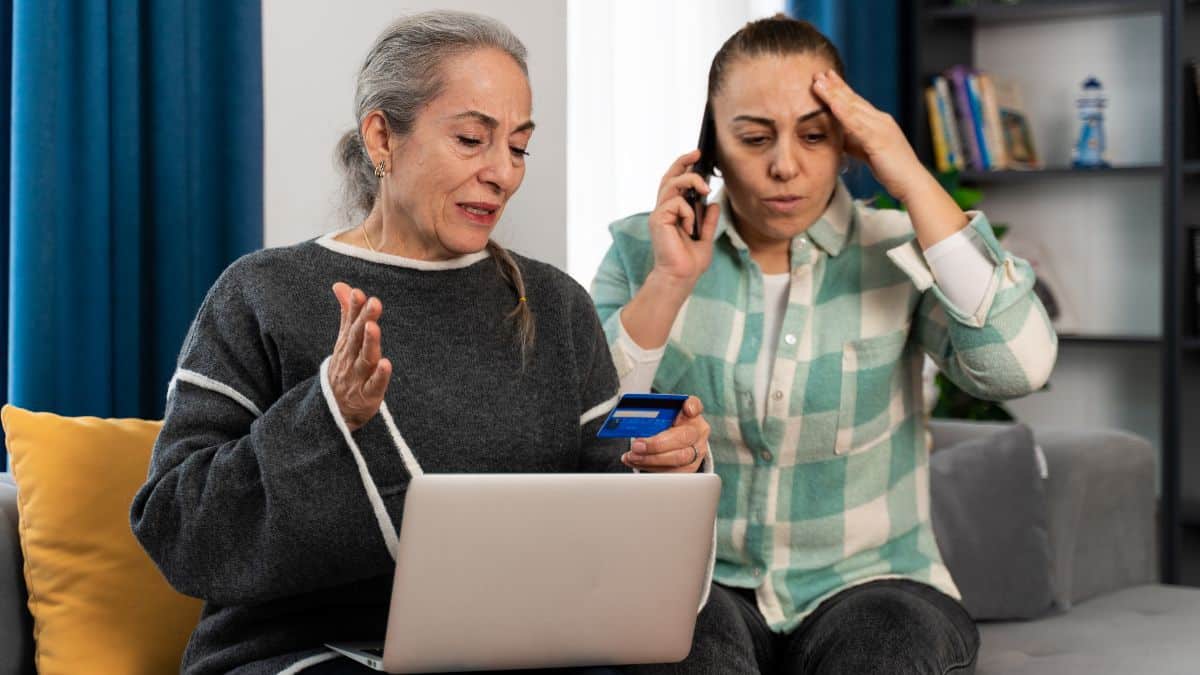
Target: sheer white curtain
{"points": [[636, 77]]}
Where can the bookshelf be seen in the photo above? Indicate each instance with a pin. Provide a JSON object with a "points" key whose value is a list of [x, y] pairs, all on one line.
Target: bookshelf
{"points": [[1120, 340], [1016, 176], [1165, 365], [994, 12]]}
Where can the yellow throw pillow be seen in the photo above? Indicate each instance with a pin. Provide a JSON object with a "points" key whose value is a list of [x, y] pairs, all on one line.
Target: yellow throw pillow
{"points": [[99, 604]]}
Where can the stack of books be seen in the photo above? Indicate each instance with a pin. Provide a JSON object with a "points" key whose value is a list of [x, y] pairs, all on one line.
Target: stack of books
{"points": [[978, 122]]}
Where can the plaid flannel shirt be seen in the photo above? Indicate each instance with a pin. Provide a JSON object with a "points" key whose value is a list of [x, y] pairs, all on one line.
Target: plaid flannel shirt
{"points": [[831, 489]]}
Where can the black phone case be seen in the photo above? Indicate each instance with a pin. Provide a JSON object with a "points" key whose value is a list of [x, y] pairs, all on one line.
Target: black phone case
{"points": [[707, 144]]}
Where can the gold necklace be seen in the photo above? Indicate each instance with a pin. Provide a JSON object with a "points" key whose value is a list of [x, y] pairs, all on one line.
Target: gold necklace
{"points": [[369, 244]]}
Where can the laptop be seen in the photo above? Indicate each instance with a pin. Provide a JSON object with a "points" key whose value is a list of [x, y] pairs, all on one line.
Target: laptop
{"points": [[506, 571]]}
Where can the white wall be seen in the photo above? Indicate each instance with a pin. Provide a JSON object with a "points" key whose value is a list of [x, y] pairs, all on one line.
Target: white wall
{"points": [[311, 54]]}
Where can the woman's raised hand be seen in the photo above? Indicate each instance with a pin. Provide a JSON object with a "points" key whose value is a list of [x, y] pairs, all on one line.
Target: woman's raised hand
{"points": [[358, 373], [872, 136], [676, 255]]}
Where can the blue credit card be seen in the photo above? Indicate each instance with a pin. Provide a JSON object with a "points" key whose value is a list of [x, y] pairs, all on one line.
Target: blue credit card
{"points": [[642, 415]]}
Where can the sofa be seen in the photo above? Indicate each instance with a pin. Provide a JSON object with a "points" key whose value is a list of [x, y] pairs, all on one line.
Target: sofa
{"points": [[1114, 617]]}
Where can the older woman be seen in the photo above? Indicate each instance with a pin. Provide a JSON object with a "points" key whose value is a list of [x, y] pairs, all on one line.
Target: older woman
{"points": [[277, 485], [801, 318]]}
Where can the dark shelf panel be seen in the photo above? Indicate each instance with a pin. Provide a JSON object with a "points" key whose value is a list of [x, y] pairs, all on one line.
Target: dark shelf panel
{"points": [[1191, 168], [1007, 176], [1036, 10], [1115, 340], [1190, 344], [1189, 511]]}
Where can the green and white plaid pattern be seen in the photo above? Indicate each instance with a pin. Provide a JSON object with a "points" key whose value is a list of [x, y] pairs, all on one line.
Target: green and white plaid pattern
{"points": [[832, 488]]}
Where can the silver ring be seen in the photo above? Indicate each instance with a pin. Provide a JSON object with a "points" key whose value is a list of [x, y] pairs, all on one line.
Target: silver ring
{"points": [[695, 454]]}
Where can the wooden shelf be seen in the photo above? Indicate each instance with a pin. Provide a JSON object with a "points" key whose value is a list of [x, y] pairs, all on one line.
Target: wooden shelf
{"points": [[1113, 340], [1007, 176], [989, 11]]}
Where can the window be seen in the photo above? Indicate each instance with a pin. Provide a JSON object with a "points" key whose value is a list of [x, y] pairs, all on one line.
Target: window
{"points": [[637, 71]]}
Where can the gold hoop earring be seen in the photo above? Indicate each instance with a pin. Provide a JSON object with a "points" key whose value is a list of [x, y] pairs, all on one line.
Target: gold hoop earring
{"points": [[379, 172]]}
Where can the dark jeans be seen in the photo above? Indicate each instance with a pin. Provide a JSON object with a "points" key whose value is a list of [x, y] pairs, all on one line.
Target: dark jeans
{"points": [[892, 626]]}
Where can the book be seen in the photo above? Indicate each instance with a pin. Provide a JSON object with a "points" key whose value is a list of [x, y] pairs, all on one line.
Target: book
{"points": [[1020, 150], [957, 77], [976, 103], [937, 132], [946, 110], [993, 132]]}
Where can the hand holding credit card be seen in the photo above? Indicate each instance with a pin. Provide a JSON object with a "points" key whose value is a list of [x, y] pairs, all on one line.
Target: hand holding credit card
{"points": [[669, 432], [642, 415]]}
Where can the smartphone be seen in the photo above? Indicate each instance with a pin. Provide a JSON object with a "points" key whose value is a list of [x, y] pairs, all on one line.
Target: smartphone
{"points": [[703, 166], [641, 415]]}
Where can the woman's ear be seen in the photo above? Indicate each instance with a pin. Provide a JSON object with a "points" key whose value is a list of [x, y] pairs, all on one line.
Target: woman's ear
{"points": [[376, 137]]}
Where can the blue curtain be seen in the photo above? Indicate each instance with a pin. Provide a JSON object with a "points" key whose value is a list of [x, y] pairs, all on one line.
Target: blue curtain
{"points": [[867, 34], [136, 174]]}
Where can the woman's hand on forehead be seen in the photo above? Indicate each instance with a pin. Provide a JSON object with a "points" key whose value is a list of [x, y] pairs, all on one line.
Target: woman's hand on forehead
{"points": [[870, 134]]}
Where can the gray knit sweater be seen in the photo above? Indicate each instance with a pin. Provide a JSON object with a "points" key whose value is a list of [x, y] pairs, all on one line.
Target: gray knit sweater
{"points": [[261, 503]]}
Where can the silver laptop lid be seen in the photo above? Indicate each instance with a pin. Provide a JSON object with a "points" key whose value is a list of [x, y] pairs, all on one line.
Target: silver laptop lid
{"points": [[498, 571]]}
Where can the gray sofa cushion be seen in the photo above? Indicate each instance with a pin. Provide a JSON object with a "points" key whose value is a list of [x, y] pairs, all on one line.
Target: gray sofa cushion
{"points": [[1143, 629], [16, 624], [988, 506], [1101, 481]]}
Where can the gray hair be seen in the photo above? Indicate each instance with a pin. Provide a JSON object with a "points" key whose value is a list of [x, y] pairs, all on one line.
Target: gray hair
{"points": [[401, 74]]}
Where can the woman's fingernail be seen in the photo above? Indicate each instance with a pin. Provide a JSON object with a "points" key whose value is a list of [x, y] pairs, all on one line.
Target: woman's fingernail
{"points": [[638, 446]]}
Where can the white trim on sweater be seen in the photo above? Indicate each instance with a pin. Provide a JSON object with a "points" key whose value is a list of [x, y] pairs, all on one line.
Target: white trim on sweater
{"points": [[386, 527], [309, 661], [406, 453], [598, 410], [205, 382], [460, 262]]}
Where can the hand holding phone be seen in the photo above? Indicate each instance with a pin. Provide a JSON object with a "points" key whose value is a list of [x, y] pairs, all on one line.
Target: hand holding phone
{"points": [[707, 144], [682, 193]]}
